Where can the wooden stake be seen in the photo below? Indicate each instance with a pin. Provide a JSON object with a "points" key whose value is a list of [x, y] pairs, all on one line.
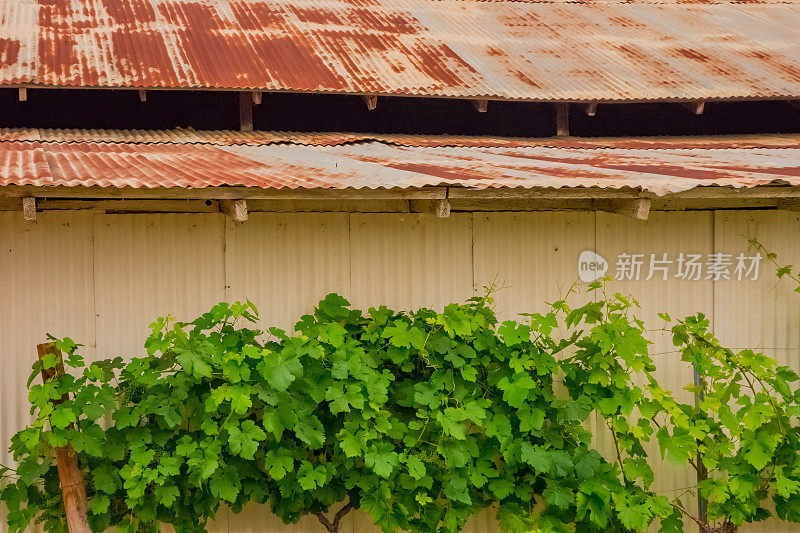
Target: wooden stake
{"points": [[562, 119], [73, 489], [480, 105], [638, 208], [439, 208], [371, 101], [235, 209], [245, 111], [29, 208]]}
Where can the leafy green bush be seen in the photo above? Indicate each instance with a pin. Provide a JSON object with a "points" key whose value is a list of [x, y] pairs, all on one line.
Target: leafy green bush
{"points": [[421, 419]]}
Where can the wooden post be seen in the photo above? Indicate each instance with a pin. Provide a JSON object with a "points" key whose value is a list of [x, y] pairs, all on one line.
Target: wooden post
{"points": [[73, 489], [245, 111], [562, 119]]}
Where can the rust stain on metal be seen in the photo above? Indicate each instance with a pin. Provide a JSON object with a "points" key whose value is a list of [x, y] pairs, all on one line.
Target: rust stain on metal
{"points": [[543, 51]]}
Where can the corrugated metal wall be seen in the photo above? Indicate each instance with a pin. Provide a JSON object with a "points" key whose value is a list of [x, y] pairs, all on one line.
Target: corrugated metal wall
{"points": [[102, 279]]}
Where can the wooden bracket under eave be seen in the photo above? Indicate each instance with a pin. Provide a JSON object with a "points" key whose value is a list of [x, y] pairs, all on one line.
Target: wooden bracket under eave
{"points": [[439, 208], [29, 208], [371, 101], [235, 209], [23, 94], [638, 208], [480, 105], [142, 95], [696, 108], [257, 97], [590, 108]]}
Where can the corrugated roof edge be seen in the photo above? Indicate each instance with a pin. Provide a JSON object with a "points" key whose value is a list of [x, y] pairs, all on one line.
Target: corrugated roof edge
{"points": [[262, 138]]}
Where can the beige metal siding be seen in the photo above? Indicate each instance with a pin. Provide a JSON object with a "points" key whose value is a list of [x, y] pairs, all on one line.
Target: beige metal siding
{"points": [[286, 263], [45, 287], [103, 278], [410, 260], [531, 258], [761, 314], [148, 266]]}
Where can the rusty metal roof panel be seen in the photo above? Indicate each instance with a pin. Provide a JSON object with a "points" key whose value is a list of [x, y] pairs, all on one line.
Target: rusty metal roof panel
{"points": [[657, 165], [604, 50], [23, 163], [18, 31], [260, 138]]}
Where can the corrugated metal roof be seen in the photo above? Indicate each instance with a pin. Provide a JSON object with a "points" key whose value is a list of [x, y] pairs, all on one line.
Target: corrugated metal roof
{"points": [[663, 166], [451, 48], [259, 138]]}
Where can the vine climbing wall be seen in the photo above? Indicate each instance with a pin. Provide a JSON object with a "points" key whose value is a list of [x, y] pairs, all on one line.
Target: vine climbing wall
{"points": [[101, 279]]}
